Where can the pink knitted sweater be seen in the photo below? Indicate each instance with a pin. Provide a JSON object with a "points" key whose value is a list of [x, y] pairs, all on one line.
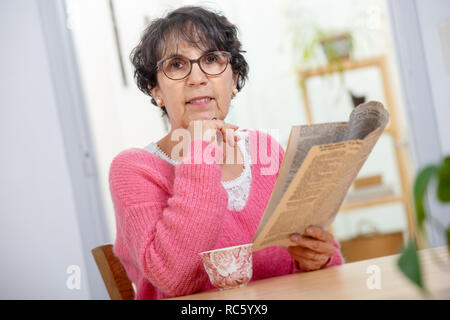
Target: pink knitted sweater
{"points": [[166, 215]]}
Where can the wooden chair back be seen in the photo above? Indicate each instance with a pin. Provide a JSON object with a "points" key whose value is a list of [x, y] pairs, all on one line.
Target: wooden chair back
{"points": [[113, 273]]}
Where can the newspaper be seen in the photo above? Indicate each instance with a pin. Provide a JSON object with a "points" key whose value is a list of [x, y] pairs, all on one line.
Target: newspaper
{"points": [[320, 163]]}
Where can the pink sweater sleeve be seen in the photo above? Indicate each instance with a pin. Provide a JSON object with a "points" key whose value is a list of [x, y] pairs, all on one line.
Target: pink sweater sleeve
{"points": [[163, 238], [336, 259]]}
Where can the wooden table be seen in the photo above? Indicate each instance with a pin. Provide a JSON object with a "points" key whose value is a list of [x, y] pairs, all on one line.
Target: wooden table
{"points": [[348, 281]]}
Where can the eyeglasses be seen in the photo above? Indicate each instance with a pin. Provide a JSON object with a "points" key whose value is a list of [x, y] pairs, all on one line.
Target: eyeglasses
{"points": [[179, 67]]}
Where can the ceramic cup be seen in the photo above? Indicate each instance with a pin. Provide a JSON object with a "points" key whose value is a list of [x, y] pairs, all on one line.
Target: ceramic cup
{"points": [[230, 267]]}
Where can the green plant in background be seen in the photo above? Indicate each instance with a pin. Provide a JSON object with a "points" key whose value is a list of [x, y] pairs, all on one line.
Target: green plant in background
{"points": [[409, 262], [314, 45], [337, 46], [319, 46]]}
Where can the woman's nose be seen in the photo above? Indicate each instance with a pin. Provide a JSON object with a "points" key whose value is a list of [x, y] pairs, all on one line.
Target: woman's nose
{"points": [[197, 76]]}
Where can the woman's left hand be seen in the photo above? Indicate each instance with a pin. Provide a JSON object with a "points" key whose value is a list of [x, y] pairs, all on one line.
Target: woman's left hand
{"points": [[314, 250]]}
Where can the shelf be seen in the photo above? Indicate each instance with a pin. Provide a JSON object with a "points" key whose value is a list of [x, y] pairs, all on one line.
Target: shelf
{"points": [[347, 206], [347, 64], [392, 129]]}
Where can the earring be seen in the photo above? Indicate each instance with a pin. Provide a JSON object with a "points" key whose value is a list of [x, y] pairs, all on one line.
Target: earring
{"points": [[158, 101], [235, 92]]}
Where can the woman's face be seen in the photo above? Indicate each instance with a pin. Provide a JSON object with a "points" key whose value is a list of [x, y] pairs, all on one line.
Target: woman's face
{"points": [[177, 95]]}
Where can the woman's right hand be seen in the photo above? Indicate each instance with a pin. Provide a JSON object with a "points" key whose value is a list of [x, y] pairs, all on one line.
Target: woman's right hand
{"points": [[216, 131]]}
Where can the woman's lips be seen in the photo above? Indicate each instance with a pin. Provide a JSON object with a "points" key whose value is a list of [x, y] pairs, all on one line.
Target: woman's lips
{"points": [[200, 102]]}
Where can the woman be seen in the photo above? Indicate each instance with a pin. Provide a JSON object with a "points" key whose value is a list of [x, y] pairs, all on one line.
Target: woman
{"points": [[174, 199]]}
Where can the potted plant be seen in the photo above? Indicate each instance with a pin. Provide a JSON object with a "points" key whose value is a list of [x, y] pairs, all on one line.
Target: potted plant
{"points": [[337, 46], [314, 46], [437, 175]]}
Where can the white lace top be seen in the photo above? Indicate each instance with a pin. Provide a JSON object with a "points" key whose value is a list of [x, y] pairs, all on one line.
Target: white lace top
{"points": [[239, 188]]}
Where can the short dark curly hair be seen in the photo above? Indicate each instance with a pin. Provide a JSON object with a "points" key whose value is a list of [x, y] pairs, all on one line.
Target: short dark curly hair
{"points": [[197, 26]]}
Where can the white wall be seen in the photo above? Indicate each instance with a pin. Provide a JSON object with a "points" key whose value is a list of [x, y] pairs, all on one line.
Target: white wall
{"points": [[434, 23], [425, 79], [40, 234]]}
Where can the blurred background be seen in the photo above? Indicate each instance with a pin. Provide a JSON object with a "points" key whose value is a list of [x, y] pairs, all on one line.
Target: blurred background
{"points": [[69, 105]]}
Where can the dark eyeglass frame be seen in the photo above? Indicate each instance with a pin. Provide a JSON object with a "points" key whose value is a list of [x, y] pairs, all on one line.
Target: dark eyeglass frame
{"points": [[192, 61]]}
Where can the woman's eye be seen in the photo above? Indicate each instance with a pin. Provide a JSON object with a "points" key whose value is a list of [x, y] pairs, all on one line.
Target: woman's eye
{"points": [[177, 64], [211, 58]]}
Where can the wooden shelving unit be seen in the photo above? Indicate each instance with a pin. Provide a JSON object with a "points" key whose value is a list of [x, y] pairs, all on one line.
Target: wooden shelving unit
{"points": [[392, 129]]}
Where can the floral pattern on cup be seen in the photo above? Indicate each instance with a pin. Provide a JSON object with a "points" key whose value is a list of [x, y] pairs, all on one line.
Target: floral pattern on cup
{"points": [[229, 267]]}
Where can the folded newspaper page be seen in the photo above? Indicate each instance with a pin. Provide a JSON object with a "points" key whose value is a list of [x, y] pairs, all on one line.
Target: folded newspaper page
{"points": [[320, 164]]}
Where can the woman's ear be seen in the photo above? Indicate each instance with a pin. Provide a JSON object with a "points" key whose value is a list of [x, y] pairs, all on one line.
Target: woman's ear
{"points": [[156, 96], [152, 91], [235, 78], [235, 91]]}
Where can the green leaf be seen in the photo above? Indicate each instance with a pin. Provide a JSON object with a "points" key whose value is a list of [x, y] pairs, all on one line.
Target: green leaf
{"points": [[448, 239], [443, 188], [409, 264], [420, 186]]}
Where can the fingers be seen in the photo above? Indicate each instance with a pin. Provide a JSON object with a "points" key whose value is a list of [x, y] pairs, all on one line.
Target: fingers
{"points": [[309, 265], [231, 137], [308, 260], [221, 131], [313, 249], [304, 253], [319, 234], [315, 245], [226, 130]]}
